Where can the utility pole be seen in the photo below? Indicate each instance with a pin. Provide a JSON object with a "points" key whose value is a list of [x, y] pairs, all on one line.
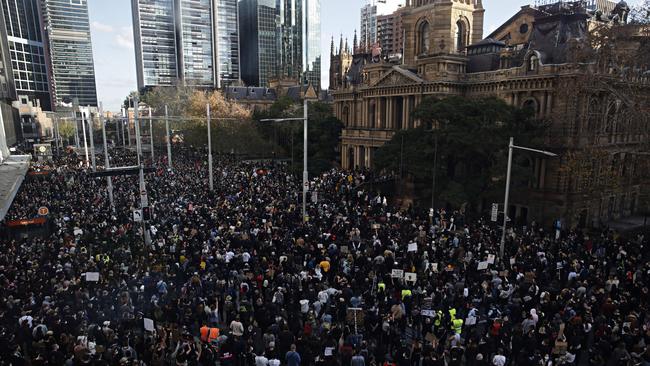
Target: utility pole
{"points": [[169, 139], [151, 134], [211, 179], [136, 125], [83, 126], [305, 176], [91, 137], [107, 164]]}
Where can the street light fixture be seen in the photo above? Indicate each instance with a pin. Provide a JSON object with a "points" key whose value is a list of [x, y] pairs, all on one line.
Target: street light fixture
{"points": [[511, 147], [305, 181]]}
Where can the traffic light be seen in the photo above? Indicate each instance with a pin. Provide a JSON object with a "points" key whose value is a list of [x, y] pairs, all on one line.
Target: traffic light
{"points": [[146, 213]]}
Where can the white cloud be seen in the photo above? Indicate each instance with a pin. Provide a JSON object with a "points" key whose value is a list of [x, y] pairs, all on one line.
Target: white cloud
{"points": [[124, 40], [101, 27]]}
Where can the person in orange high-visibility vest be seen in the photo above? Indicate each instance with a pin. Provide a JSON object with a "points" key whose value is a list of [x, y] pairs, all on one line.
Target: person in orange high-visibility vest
{"points": [[209, 334]]}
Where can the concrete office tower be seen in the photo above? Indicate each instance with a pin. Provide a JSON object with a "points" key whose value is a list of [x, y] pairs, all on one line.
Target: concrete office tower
{"points": [[368, 26], [23, 25], [390, 32], [186, 42], [257, 29], [299, 41], [67, 34]]}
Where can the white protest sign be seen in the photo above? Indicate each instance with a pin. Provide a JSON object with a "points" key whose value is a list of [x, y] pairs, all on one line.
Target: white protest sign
{"points": [[413, 247], [429, 313], [470, 320], [495, 212], [482, 265], [92, 276], [410, 277], [434, 267], [397, 273], [490, 258], [137, 215], [513, 260], [148, 324]]}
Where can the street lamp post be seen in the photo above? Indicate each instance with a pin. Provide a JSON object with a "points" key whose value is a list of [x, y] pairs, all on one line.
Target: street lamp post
{"points": [[169, 142], [305, 175], [210, 177], [107, 163], [91, 136], [511, 147], [151, 135]]}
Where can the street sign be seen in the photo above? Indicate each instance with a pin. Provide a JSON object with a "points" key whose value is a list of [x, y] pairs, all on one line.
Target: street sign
{"points": [[137, 215], [43, 211], [495, 212]]}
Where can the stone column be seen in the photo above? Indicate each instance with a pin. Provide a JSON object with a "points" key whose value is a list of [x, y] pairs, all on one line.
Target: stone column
{"points": [[344, 156], [364, 112], [549, 104]]}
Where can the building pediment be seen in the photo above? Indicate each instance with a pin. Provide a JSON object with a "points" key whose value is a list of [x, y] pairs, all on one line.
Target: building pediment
{"points": [[398, 76]]}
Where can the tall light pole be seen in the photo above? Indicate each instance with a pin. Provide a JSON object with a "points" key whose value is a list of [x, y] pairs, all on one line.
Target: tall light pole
{"points": [[169, 142], [511, 147], [136, 125], [91, 137], [83, 126], [107, 164], [151, 134], [305, 175], [210, 177]]}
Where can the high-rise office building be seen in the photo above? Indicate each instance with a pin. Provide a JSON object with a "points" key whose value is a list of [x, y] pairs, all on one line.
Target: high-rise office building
{"points": [[196, 45], [187, 42], [299, 40], [368, 26], [257, 29], [67, 33], [22, 22], [154, 32], [226, 30]]}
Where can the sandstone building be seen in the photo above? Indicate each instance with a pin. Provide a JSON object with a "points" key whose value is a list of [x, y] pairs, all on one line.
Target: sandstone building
{"points": [[535, 59]]}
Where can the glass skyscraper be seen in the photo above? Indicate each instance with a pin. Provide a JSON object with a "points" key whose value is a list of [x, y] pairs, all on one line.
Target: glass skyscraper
{"points": [[299, 40], [23, 26], [196, 42], [67, 31], [257, 29], [155, 42], [227, 42], [188, 42]]}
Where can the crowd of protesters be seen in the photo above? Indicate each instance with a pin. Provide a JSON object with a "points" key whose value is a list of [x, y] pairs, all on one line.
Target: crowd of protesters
{"points": [[236, 277]]}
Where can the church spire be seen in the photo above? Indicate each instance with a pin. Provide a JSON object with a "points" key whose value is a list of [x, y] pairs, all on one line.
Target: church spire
{"points": [[332, 47], [355, 43], [347, 48], [341, 49]]}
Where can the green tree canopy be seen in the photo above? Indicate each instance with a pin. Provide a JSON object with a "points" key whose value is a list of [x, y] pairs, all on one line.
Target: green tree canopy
{"points": [[472, 137]]}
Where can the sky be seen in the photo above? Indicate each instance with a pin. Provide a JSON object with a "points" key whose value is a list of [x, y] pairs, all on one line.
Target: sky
{"points": [[114, 55]]}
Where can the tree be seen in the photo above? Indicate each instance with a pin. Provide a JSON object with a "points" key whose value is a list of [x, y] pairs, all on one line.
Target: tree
{"points": [[66, 130], [231, 124], [472, 137], [324, 132]]}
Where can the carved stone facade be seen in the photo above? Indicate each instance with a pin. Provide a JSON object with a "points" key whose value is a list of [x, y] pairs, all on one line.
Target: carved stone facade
{"points": [[522, 63]]}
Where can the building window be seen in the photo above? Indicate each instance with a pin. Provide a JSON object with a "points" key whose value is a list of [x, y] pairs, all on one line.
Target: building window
{"points": [[523, 29], [424, 32], [533, 62], [462, 35]]}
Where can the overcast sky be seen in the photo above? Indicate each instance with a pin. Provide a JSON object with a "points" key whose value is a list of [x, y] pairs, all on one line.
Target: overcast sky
{"points": [[112, 36]]}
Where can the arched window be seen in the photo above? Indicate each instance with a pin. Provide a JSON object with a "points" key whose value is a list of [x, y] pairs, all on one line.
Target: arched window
{"points": [[533, 62], [594, 116], [462, 35], [424, 32]]}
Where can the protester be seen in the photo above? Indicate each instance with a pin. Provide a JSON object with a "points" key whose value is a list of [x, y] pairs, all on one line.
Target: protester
{"points": [[360, 282]]}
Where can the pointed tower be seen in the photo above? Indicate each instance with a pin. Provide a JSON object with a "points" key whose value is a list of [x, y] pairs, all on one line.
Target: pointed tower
{"points": [[332, 47], [355, 43], [347, 48], [341, 49]]}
